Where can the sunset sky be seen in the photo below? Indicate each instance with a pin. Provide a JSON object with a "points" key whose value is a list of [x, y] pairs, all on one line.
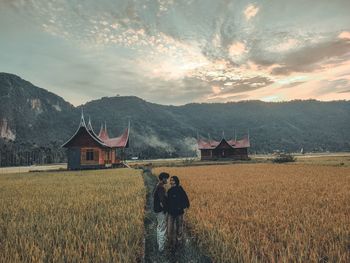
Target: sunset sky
{"points": [[179, 51]]}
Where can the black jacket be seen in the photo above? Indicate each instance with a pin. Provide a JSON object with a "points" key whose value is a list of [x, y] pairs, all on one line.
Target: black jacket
{"points": [[177, 201], [159, 198]]}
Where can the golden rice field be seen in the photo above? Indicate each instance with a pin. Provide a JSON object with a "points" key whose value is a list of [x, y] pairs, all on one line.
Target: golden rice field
{"points": [[269, 212], [90, 216]]}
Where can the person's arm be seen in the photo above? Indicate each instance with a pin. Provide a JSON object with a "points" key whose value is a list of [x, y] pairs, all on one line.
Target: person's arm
{"points": [[162, 197], [186, 201]]}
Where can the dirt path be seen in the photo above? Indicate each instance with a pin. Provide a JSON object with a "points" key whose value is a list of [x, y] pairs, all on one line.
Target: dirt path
{"points": [[188, 253]]}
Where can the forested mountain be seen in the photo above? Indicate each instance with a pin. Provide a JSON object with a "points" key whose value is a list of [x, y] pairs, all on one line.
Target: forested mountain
{"points": [[288, 126], [35, 120]]}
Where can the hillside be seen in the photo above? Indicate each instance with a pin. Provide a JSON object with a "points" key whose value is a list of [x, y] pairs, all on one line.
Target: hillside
{"points": [[289, 126], [33, 118], [33, 122]]}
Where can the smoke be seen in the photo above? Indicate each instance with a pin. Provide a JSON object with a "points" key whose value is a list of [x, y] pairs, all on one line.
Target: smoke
{"points": [[190, 144], [186, 146], [153, 140]]}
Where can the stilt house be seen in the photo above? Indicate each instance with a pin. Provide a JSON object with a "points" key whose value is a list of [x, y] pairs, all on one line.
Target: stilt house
{"points": [[87, 150]]}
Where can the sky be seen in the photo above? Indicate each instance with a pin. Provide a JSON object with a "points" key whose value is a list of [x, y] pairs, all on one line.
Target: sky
{"points": [[179, 51]]}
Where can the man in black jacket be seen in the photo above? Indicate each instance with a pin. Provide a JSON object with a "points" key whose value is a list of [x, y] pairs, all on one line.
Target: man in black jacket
{"points": [[160, 208], [177, 201]]}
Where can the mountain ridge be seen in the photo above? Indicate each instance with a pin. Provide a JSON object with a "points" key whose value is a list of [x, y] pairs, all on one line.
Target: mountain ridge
{"points": [[31, 118]]}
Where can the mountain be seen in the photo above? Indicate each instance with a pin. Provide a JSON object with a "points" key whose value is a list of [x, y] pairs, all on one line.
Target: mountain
{"points": [[35, 120], [32, 121], [288, 126]]}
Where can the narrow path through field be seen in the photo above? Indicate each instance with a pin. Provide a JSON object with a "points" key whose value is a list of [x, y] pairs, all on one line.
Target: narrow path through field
{"points": [[188, 253]]}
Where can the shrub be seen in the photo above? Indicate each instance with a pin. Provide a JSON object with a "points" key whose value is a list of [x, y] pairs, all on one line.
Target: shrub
{"points": [[284, 158]]}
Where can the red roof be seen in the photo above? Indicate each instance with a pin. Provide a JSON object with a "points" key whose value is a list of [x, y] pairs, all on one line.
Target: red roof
{"points": [[103, 135], [119, 142], [211, 144]]}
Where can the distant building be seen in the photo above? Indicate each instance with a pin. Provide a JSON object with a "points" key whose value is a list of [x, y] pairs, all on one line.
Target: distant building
{"points": [[224, 149], [86, 150]]}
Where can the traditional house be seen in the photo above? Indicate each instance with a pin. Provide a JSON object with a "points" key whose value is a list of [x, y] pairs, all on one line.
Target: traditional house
{"points": [[86, 150], [225, 149]]}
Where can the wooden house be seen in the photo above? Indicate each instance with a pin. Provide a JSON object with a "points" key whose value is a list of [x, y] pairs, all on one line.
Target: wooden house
{"points": [[224, 149], [87, 150]]}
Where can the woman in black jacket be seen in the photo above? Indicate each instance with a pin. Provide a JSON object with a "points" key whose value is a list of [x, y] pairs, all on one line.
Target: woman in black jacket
{"points": [[177, 201]]}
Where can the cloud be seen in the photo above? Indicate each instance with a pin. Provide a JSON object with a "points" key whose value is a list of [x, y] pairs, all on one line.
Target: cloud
{"points": [[344, 35], [251, 11], [164, 6], [216, 89], [176, 52], [345, 91], [237, 49], [314, 57], [250, 84], [238, 89], [179, 91], [335, 86], [291, 43], [294, 84], [292, 80], [227, 97]]}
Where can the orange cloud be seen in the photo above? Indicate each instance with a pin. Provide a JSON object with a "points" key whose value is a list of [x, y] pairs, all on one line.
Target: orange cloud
{"points": [[344, 35], [237, 49], [216, 89], [251, 11]]}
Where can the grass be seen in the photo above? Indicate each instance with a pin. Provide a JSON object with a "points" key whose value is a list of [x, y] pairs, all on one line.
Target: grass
{"points": [[90, 216], [323, 159], [269, 212], [340, 160]]}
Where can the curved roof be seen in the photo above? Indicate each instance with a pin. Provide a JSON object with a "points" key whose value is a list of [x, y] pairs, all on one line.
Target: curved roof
{"points": [[102, 139], [103, 134], [119, 142], [211, 144], [85, 128], [91, 131]]}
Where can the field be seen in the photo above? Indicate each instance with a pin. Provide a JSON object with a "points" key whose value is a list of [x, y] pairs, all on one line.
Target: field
{"points": [[269, 212], [257, 212], [340, 159], [90, 216]]}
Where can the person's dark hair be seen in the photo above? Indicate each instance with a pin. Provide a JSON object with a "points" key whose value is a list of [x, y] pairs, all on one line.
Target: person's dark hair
{"points": [[163, 175], [176, 179]]}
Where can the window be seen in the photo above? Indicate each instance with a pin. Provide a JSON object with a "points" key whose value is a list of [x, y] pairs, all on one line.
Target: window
{"points": [[90, 155]]}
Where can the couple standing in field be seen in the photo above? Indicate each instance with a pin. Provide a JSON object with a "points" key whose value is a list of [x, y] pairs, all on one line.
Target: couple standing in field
{"points": [[169, 208]]}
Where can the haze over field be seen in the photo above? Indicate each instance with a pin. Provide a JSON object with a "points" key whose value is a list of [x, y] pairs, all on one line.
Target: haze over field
{"points": [[175, 52]]}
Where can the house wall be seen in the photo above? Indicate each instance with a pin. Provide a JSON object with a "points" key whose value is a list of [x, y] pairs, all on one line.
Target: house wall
{"points": [[77, 158], [114, 156], [101, 158], [73, 155], [95, 161], [225, 154]]}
